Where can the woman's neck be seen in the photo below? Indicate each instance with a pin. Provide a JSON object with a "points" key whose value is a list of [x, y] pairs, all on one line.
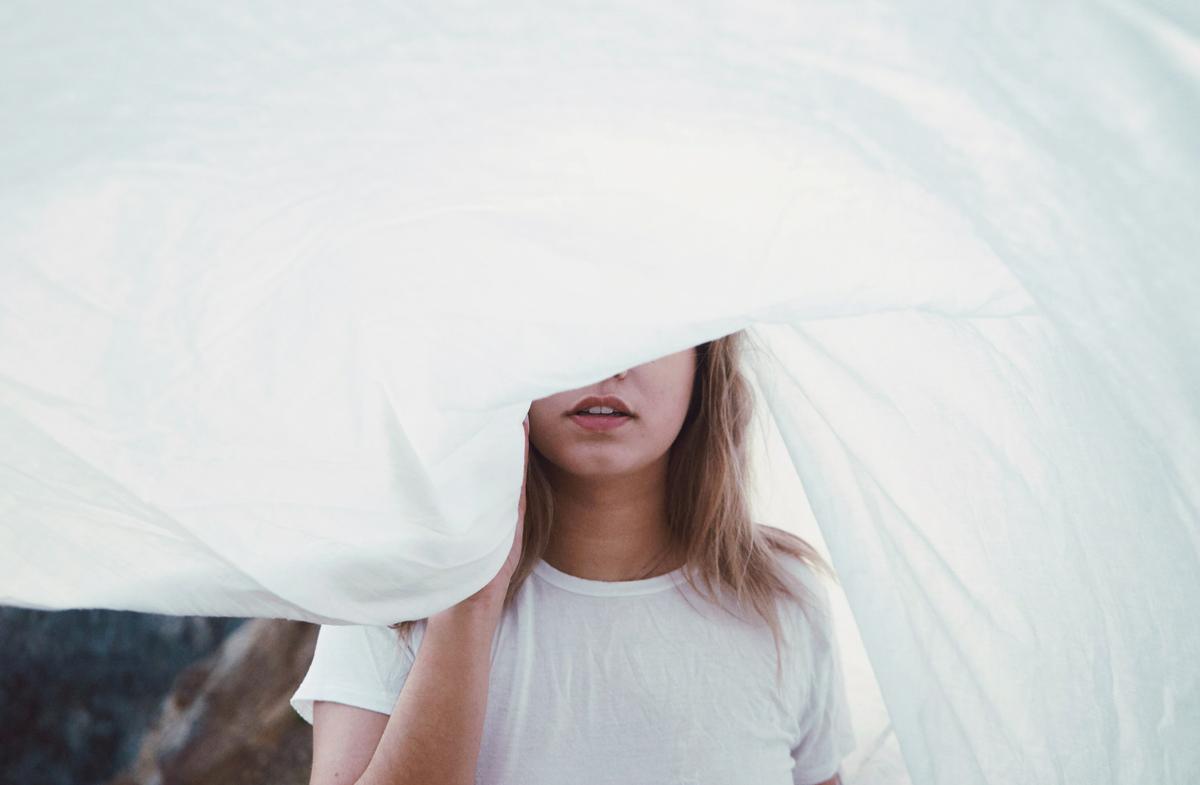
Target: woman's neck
{"points": [[611, 528]]}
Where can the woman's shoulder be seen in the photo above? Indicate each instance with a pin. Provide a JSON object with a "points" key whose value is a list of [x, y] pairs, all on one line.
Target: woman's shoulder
{"points": [[809, 607], [376, 645], [796, 556], [812, 577], [374, 637]]}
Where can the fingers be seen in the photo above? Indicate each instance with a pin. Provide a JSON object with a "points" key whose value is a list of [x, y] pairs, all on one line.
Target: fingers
{"points": [[525, 425], [525, 474]]}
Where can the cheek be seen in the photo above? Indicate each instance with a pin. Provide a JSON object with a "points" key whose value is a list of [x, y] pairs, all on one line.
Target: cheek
{"points": [[671, 419], [677, 396], [542, 422], [545, 410], [552, 433], [657, 431]]}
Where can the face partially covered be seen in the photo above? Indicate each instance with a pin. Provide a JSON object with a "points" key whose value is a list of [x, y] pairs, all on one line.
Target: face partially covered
{"points": [[655, 395]]}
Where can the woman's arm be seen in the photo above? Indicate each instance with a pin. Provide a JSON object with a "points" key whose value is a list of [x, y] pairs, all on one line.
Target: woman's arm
{"points": [[434, 732], [436, 727]]}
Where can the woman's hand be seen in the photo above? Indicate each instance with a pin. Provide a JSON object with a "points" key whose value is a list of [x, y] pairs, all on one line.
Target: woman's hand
{"points": [[514, 554], [497, 587]]}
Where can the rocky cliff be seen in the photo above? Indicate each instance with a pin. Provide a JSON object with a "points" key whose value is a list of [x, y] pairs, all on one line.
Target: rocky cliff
{"points": [[227, 718]]}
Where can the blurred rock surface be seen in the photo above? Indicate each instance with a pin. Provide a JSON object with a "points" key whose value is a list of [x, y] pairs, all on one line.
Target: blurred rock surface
{"points": [[228, 718]]}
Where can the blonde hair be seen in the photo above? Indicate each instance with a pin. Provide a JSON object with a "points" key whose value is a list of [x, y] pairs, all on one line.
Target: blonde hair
{"points": [[708, 510]]}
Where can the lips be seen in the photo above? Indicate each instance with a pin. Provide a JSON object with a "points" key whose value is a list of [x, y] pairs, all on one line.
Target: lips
{"points": [[615, 402]]}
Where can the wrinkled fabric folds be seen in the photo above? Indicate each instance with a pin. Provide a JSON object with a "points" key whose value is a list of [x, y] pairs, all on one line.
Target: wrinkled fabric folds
{"points": [[277, 288]]}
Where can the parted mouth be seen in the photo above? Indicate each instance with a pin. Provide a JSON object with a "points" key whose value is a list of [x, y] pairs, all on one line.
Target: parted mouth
{"points": [[613, 402]]}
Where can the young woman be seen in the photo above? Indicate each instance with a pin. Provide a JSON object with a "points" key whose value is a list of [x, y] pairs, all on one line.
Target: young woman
{"points": [[642, 630]]}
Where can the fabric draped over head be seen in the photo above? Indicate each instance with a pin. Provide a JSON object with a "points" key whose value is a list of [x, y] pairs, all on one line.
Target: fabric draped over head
{"points": [[277, 290]]}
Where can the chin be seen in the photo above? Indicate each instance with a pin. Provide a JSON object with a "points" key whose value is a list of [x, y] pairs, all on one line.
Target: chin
{"points": [[603, 461]]}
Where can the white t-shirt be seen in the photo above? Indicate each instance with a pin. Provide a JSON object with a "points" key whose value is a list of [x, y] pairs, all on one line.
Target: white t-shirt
{"points": [[626, 682]]}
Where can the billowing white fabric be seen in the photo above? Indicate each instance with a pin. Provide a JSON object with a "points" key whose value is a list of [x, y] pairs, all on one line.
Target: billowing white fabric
{"points": [[277, 287]]}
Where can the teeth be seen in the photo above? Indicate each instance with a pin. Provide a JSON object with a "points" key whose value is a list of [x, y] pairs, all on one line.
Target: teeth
{"points": [[600, 410]]}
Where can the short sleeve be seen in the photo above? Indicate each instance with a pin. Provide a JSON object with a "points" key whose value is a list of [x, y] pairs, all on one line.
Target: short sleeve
{"points": [[358, 665], [826, 731]]}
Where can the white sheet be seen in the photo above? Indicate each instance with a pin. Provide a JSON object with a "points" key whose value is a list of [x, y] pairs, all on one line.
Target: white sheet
{"points": [[277, 288]]}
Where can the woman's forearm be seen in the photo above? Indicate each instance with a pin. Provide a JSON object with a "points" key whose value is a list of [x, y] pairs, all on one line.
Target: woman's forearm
{"points": [[436, 727]]}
